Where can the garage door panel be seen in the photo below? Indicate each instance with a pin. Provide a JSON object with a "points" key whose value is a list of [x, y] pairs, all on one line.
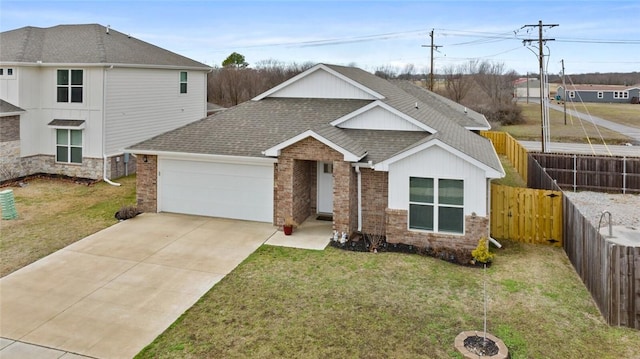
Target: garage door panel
{"points": [[217, 189]]}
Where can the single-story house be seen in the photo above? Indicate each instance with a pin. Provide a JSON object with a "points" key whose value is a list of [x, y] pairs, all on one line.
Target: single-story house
{"points": [[381, 157], [86, 91], [528, 87], [600, 93]]}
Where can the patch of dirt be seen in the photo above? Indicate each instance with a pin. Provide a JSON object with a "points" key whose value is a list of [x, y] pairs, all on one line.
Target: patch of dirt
{"points": [[481, 346]]}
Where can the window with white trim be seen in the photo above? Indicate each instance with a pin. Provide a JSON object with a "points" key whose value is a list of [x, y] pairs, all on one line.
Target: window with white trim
{"points": [[68, 146], [7, 71], [183, 82], [436, 204], [620, 94], [69, 85], [600, 94]]}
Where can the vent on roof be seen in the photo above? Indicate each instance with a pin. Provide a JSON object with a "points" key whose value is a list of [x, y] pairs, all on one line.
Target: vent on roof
{"points": [[108, 27]]}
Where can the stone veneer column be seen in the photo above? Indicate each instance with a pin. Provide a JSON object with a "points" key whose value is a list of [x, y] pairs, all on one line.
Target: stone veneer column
{"points": [[342, 195], [147, 183]]}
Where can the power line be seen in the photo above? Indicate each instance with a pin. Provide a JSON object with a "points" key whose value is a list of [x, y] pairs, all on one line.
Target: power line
{"points": [[543, 115], [432, 46]]}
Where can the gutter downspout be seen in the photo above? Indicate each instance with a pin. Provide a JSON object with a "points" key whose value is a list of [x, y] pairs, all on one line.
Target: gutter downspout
{"points": [[495, 243], [359, 178], [104, 127]]}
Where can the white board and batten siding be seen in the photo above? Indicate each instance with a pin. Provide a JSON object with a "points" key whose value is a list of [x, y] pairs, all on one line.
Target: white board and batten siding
{"points": [[216, 189], [38, 96], [321, 84], [378, 118], [436, 162], [142, 103]]}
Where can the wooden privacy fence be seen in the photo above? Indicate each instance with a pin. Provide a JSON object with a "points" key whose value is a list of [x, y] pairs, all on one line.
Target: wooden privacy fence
{"points": [[526, 215], [611, 272], [589, 172], [510, 147]]}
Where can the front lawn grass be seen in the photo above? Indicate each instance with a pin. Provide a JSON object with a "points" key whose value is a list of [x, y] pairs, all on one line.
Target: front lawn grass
{"points": [[623, 113], [512, 178], [54, 213], [575, 130], [293, 303]]}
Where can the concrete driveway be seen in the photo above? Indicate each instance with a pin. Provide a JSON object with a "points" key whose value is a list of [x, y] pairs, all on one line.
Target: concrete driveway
{"points": [[112, 293]]}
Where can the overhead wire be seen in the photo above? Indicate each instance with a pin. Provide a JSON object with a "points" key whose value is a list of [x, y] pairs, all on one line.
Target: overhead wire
{"points": [[604, 142]]}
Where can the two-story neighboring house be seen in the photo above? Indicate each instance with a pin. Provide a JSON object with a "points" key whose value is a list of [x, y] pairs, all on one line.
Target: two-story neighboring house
{"points": [[74, 96]]}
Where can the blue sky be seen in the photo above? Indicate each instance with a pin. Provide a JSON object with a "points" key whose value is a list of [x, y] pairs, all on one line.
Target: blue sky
{"points": [[592, 36]]}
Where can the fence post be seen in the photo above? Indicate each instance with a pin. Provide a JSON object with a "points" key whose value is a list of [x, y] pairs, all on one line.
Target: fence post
{"points": [[624, 174], [575, 171]]}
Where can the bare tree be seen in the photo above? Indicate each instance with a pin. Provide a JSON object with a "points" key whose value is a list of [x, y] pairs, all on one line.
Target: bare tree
{"points": [[495, 81], [386, 72], [459, 80], [497, 85], [407, 72], [236, 82]]}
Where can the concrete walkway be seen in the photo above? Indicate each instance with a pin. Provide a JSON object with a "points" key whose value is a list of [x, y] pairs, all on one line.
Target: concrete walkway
{"points": [[584, 148], [633, 132], [112, 293]]}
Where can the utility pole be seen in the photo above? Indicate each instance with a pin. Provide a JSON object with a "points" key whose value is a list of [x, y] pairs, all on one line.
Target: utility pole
{"points": [[541, 41], [432, 46], [564, 88]]}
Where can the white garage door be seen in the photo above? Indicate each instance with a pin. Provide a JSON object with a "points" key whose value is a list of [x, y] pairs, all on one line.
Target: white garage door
{"points": [[240, 191]]}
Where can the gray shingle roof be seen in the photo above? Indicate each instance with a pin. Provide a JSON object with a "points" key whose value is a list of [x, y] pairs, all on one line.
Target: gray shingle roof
{"points": [[85, 44], [463, 116], [448, 131], [66, 123], [7, 107], [254, 126]]}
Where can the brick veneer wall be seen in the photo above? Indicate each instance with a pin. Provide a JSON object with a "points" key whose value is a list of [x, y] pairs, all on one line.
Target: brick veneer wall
{"points": [[295, 183], [9, 128], [117, 168], [476, 227], [375, 186], [147, 183], [301, 189], [10, 161]]}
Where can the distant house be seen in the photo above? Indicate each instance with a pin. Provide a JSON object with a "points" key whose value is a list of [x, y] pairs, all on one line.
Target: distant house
{"points": [[74, 96], [379, 156], [527, 88], [600, 93]]}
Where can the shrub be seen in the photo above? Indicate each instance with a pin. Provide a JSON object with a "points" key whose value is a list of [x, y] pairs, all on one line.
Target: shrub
{"points": [[127, 212], [481, 253]]}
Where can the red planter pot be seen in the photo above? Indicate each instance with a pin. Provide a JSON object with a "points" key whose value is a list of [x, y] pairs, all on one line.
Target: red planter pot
{"points": [[287, 230]]}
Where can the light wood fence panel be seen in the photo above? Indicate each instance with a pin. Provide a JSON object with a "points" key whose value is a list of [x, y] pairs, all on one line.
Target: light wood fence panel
{"points": [[526, 215]]}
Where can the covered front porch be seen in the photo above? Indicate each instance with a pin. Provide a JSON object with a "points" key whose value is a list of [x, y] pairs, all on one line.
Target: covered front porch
{"points": [[313, 234], [313, 179]]}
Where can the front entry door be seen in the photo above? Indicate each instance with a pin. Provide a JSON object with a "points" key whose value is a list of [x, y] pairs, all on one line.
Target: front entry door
{"points": [[325, 187]]}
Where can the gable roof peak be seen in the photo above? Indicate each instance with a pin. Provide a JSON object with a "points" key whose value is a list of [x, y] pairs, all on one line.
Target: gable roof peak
{"points": [[332, 70], [86, 44]]}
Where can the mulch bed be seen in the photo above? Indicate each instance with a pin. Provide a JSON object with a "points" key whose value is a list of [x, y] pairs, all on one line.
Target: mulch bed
{"points": [[21, 181], [481, 346], [363, 244]]}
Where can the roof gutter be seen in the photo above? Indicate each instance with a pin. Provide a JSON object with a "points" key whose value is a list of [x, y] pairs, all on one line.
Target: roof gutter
{"points": [[106, 65], [104, 129], [357, 166], [204, 157]]}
